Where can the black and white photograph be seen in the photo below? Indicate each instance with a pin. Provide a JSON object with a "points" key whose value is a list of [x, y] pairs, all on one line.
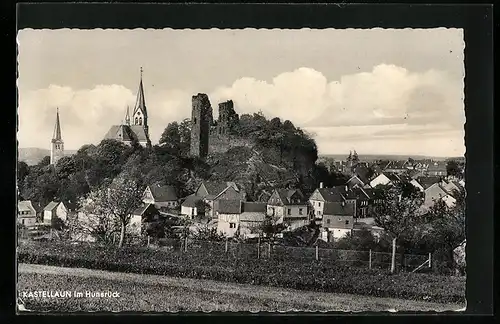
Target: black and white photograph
{"points": [[241, 170]]}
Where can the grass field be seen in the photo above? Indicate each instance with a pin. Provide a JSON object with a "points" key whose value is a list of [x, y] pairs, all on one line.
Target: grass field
{"points": [[166, 294]]}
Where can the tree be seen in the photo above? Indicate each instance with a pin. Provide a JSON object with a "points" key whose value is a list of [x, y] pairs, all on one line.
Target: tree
{"points": [[271, 226], [453, 168], [45, 161], [110, 207], [22, 171], [447, 225], [399, 215]]}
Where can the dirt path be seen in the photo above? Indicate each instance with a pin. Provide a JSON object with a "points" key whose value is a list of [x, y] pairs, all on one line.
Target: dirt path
{"points": [[159, 293]]}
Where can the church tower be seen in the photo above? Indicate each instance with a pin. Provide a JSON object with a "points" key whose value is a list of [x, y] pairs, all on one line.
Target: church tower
{"points": [[57, 144], [140, 114]]}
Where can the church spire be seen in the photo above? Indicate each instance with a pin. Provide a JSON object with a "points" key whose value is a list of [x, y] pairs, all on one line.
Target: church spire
{"points": [[127, 117], [57, 129], [140, 104]]}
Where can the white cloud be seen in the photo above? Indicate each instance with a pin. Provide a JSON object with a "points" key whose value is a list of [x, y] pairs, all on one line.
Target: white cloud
{"points": [[388, 103]]}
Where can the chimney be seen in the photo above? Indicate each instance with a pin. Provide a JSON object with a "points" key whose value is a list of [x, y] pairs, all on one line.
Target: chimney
{"points": [[321, 185]]}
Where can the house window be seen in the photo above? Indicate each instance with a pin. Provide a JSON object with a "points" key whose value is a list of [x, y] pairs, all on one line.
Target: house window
{"points": [[194, 120], [140, 120], [301, 212], [22, 221], [289, 212], [232, 225], [136, 120], [328, 221], [347, 222], [319, 204], [318, 213]]}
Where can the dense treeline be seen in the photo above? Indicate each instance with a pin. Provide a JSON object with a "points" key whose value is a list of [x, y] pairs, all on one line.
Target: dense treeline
{"points": [[283, 156]]}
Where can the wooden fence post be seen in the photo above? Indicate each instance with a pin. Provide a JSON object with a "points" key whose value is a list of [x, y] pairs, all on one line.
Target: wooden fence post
{"points": [[185, 243], [148, 240], [269, 250], [225, 249], [430, 260], [317, 253], [370, 260], [258, 249]]}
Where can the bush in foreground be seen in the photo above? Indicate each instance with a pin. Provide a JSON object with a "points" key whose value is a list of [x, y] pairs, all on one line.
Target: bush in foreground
{"points": [[315, 276]]}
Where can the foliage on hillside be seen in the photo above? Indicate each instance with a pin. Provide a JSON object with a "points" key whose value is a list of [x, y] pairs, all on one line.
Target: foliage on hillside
{"points": [[282, 156]]}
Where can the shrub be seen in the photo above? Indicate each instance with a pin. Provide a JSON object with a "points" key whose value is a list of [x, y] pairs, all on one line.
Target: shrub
{"points": [[204, 264]]}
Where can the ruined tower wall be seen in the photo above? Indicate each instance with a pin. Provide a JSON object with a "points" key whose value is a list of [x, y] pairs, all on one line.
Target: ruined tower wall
{"points": [[200, 125]]}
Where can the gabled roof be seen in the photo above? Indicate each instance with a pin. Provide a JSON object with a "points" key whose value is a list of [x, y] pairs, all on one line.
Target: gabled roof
{"points": [[426, 182], [163, 193], [252, 217], [334, 194], [215, 188], [51, 206], [229, 207], [391, 176], [338, 209], [253, 207], [141, 209], [25, 205], [357, 193], [362, 172], [286, 196], [126, 133], [191, 201], [396, 165]]}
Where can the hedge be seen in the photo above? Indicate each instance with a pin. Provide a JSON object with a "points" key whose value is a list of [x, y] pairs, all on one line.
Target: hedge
{"points": [[314, 275]]}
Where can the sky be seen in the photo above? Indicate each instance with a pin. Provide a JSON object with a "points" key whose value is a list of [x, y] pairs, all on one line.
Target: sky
{"points": [[376, 91]]}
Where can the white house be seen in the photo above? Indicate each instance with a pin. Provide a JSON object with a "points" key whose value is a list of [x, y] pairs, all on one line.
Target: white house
{"points": [[321, 195], [384, 179], [55, 210], [26, 213], [288, 206], [228, 217], [161, 196], [338, 220], [190, 205]]}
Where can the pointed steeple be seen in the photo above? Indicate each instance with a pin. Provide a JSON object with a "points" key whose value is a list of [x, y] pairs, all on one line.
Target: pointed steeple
{"points": [[140, 103], [57, 129], [127, 117]]}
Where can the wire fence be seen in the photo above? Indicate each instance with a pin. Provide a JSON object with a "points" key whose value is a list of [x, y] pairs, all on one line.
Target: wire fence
{"points": [[269, 251]]}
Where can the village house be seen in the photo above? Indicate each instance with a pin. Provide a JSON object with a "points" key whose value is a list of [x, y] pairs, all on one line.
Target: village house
{"points": [[338, 220], [288, 206], [26, 213], [396, 167], [362, 201], [385, 179], [192, 205], [213, 192], [426, 182], [228, 217], [436, 192], [161, 196], [243, 218], [322, 195], [357, 181], [437, 169], [55, 210], [143, 214], [252, 216]]}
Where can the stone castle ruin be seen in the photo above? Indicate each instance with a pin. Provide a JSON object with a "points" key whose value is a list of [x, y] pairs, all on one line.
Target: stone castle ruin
{"points": [[209, 135]]}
